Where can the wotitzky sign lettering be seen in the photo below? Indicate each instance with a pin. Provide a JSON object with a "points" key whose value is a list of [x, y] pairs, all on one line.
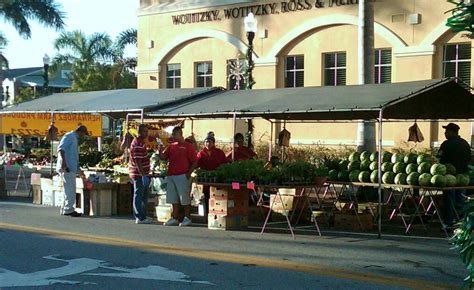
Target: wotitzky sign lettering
{"points": [[258, 10]]}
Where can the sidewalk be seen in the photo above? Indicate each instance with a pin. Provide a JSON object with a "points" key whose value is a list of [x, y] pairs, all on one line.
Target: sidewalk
{"points": [[393, 259]]}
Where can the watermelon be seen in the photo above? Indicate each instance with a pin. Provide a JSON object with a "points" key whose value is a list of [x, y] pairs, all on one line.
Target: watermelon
{"points": [[425, 179], [386, 156], [424, 167], [412, 167], [462, 180], [364, 176], [365, 165], [387, 166], [412, 178], [401, 178], [438, 180], [343, 175], [374, 177], [388, 177], [354, 175], [438, 169], [423, 158], [353, 165], [355, 156], [373, 165], [332, 175], [343, 164], [365, 156], [397, 157], [374, 156], [399, 167], [450, 180], [410, 158], [450, 169]]}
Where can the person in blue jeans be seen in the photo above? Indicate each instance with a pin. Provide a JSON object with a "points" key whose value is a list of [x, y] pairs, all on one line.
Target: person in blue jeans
{"points": [[456, 151], [139, 170]]}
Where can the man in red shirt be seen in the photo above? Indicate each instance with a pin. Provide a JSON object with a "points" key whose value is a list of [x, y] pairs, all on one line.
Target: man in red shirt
{"points": [[182, 161], [139, 170], [240, 151], [209, 158]]}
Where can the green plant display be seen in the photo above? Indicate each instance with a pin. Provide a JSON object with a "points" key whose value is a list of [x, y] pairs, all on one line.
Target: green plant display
{"points": [[463, 241]]}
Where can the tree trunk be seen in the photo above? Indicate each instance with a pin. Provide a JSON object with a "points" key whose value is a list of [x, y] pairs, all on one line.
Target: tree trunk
{"points": [[366, 129]]}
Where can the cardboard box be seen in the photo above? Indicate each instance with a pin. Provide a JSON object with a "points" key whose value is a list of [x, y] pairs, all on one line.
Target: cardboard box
{"points": [[344, 221], [285, 202], [228, 207], [163, 213], [36, 189], [227, 193], [101, 201], [223, 222], [35, 179], [124, 199], [291, 191], [47, 197], [58, 198]]}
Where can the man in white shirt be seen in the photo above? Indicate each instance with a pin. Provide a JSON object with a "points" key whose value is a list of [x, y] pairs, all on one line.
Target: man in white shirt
{"points": [[68, 167]]}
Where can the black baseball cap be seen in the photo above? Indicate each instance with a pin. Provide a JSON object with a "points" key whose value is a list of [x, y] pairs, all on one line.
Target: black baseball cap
{"points": [[83, 129], [452, 127]]}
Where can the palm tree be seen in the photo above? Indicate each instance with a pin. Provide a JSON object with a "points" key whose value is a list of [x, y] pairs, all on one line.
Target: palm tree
{"points": [[82, 51], [127, 37], [19, 12], [366, 130], [3, 61]]}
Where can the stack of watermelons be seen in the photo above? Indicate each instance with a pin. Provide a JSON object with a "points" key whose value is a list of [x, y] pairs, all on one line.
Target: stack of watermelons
{"points": [[397, 168]]}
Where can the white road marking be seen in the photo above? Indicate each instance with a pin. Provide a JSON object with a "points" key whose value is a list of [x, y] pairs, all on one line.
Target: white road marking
{"points": [[80, 266]]}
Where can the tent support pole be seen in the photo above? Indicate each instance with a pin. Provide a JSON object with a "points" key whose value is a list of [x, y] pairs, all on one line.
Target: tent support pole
{"points": [[379, 173], [141, 116], [234, 128], [51, 143], [270, 145]]}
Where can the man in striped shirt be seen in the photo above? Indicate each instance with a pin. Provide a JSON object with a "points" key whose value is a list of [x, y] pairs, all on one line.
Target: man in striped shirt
{"points": [[139, 170]]}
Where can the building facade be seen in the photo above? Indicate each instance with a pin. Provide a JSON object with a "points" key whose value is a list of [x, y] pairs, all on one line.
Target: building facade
{"points": [[185, 44]]}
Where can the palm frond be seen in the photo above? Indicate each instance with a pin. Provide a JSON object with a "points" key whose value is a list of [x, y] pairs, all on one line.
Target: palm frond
{"points": [[18, 12], [125, 38]]}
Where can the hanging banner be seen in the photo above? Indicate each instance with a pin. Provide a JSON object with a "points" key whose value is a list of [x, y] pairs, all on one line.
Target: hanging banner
{"points": [[36, 124]]}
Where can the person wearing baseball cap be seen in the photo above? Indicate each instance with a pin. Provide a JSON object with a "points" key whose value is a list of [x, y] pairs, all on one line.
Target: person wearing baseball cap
{"points": [[210, 158], [457, 152], [68, 167]]}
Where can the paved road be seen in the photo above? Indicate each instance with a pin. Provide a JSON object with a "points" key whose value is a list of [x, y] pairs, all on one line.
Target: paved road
{"points": [[36, 260], [275, 259]]}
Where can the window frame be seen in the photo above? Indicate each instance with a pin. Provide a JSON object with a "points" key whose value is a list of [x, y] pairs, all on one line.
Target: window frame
{"points": [[379, 67], [205, 76], [456, 61], [293, 70], [173, 77], [335, 68]]}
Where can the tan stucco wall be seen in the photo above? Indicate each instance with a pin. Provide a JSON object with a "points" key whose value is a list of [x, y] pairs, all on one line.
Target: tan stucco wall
{"points": [[417, 52]]}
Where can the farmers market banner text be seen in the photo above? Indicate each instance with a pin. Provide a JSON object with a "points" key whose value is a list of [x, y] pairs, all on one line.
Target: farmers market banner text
{"points": [[36, 124]]}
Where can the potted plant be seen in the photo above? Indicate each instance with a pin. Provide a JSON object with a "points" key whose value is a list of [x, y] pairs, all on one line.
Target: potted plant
{"points": [[463, 240]]}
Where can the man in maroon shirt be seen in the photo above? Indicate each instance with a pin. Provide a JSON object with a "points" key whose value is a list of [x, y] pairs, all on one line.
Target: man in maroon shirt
{"points": [[139, 170], [209, 158], [182, 161], [240, 151]]}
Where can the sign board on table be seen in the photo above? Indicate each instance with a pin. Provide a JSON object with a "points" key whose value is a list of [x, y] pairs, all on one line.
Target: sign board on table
{"points": [[36, 124]]}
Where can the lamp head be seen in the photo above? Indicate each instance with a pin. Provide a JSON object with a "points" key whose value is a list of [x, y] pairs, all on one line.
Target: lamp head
{"points": [[250, 23]]}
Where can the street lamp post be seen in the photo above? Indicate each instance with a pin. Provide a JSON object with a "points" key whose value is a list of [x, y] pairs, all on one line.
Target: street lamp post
{"points": [[46, 62], [250, 24]]}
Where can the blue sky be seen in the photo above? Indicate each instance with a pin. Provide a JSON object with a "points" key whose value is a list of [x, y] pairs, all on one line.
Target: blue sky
{"points": [[111, 16]]}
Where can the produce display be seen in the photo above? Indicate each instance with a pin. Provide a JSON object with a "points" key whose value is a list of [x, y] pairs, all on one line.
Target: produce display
{"points": [[402, 169], [297, 172]]}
